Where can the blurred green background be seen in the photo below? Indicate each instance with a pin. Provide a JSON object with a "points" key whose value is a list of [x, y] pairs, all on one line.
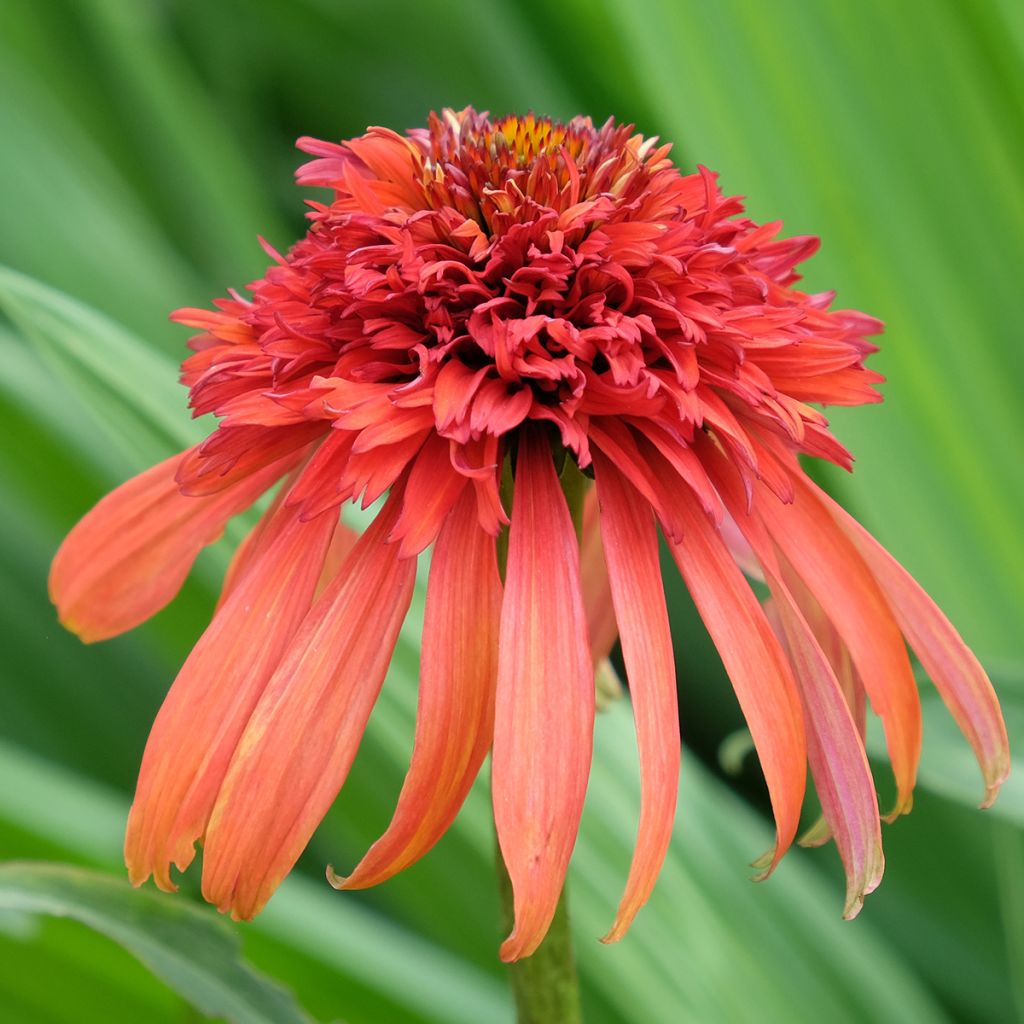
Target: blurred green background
{"points": [[144, 143]]}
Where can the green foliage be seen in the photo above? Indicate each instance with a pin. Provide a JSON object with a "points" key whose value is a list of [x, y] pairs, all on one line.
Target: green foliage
{"points": [[146, 143], [188, 948]]}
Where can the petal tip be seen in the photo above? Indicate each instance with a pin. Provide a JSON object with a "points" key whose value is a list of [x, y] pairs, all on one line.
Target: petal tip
{"points": [[903, 805], [854, 905], [336, 881], [765, 865], [996, 771], [992, 791], [514, 949]]}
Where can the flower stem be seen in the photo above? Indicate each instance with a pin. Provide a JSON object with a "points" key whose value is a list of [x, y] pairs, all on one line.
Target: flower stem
{"points": [[545, 984]]}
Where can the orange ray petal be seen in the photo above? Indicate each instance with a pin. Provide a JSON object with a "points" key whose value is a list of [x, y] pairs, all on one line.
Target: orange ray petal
{"points": [[597, 591], [956, 672], [455, 723], [342, 543], [631, 545], [755, 662], [204, 714], [544, 714], [129, 555], [839, 659], [231, 454], [299, 744], [433, 487], [839, 765], [252, 546], [832, 569], [835, 747]]}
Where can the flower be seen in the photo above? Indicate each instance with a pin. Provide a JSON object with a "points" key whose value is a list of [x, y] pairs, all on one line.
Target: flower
{"points": [[485, 317]]}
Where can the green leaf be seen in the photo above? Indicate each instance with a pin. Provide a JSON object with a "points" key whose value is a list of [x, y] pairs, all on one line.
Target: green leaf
{"points": [[131, 389], [73, 217], [343, 938], [885, 134], [190, 949]]}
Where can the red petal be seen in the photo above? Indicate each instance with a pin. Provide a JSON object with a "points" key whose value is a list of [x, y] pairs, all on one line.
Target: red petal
{"points": [[342, 543], [319, 486], [231, 454], [949, 662], [544, 715], [631, 545], [252, 545], [597, 591], [299, 744], [455, 722], [831, 567], [199, 725], [755, 662], [835, 748], [128, 556], [839, 765], [432, 489], [618, 442]]}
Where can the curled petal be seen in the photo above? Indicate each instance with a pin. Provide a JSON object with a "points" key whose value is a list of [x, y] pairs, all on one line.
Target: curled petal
{"points": [[299, 744], [631, 544], [208, 707], [956, 672], [756, 665], [128, 556], [544, 714], [455, 720]]}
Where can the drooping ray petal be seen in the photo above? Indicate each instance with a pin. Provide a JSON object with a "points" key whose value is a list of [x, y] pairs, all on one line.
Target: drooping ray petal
{"points": [[740, 549], [755, 663], [432, 489], [956, 672], [829, 564], [455, 719], [231, 454], [839, 765], [129, 555], [204, 714], [242, 558], [299, 744], [544, 713], [835, 749], [342, 543], [597, 591], [631, 546], [617, 441], [252, 546], [831, 644]]}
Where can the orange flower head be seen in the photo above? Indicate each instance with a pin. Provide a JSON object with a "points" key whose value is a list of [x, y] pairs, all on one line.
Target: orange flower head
{"points": [[480, 308]]}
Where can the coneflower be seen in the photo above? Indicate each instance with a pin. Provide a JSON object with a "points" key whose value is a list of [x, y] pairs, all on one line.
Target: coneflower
{"points": [[486, 321]]}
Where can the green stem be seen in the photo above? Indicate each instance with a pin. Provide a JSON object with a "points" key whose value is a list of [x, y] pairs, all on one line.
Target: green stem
{"points": [[545, 984]]}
